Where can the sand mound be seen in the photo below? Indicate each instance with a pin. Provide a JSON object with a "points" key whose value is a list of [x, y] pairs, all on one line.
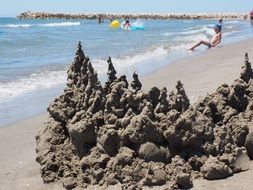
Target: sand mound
{"points": [[116, 134]]}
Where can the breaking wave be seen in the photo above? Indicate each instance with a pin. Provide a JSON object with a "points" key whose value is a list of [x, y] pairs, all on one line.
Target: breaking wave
{"points": [[48, 79], [15, 26], [37, 81], [54, 24], [61, 24]]}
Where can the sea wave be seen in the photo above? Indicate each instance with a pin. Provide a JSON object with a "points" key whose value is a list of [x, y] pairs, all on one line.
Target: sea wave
{"points": [[54, 24], [48, 79], [36, 81], [193, 31], [226, 34], [169, 34], [130, 62], [15, 26], [60, 24], [231, 22], [186, 40], [203, 29], [138, 23]]}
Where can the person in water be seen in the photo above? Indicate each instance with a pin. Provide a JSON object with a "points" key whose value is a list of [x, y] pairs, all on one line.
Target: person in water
{"points": [[127, 25], [216, 39]]}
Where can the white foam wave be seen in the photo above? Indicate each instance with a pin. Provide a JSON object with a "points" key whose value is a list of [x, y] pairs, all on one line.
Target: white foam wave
{"points": [[184, 42], [198, 27], [54, 24], [182, 46], [169, 34], [138, 23], [47, 79], [60, 24], [33, 82], [159, 51], [226, 34], [129, 61], [191, 38], [231, 22], [193, 33], [15, 26], [230, 27], [204, 29]]}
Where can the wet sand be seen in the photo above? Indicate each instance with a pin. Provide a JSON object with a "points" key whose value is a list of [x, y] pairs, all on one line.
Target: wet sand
{"points": [[200, 74]]}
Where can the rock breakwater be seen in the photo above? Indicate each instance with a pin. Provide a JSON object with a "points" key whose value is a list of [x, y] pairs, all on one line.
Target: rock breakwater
{"points": [[120, 134], [110, 16]]}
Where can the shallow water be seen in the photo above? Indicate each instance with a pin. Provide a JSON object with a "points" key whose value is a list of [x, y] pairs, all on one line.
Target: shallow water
{"points": [[34, 54]]}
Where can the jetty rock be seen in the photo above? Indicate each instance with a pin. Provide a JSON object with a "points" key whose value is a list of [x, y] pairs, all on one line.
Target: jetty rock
{"points": [[111, 16], [118, 134]]}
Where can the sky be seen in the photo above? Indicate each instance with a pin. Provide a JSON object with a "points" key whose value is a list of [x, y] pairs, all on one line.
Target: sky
{"points": [[11, 8]]}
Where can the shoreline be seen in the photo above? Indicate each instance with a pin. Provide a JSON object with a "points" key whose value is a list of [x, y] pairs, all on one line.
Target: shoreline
{"points": [[154, 78], [165, 75], [92, 16], [200, 74]]}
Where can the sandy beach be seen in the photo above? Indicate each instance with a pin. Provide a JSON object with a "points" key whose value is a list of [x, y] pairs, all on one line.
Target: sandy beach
{"points": [[200, 74]]}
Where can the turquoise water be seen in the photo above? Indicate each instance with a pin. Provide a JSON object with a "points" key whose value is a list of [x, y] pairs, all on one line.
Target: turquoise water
{"points": [[34, 54]]}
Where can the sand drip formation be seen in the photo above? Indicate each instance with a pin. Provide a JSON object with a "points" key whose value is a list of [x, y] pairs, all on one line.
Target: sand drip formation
{"points": [[120, 134]]}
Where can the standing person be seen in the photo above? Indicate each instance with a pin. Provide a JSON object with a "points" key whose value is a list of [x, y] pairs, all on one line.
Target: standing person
{"points": [[216, 39], [251, 15], [100, 19]]}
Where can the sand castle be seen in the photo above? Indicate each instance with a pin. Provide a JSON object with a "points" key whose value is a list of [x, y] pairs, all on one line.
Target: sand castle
{"points": [[120, 134]]}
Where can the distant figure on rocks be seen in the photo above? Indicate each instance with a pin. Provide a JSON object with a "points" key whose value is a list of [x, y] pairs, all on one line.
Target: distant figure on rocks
{"points": [[216, 39]]}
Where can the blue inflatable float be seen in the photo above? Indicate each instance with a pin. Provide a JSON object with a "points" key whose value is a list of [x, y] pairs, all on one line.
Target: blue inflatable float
{"points": [[137, 28]]}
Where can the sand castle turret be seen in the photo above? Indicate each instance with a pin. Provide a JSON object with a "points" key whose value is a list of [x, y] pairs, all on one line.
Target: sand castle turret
{"points": [[136, 84], [246, 73], [111, 73]]}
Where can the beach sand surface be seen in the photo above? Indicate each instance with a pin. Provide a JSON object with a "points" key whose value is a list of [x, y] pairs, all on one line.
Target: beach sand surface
{"points": [[200, 74], [18, 168]]}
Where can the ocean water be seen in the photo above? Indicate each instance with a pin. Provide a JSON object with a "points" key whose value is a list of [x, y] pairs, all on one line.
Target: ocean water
{"points": [[35, 54]]}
